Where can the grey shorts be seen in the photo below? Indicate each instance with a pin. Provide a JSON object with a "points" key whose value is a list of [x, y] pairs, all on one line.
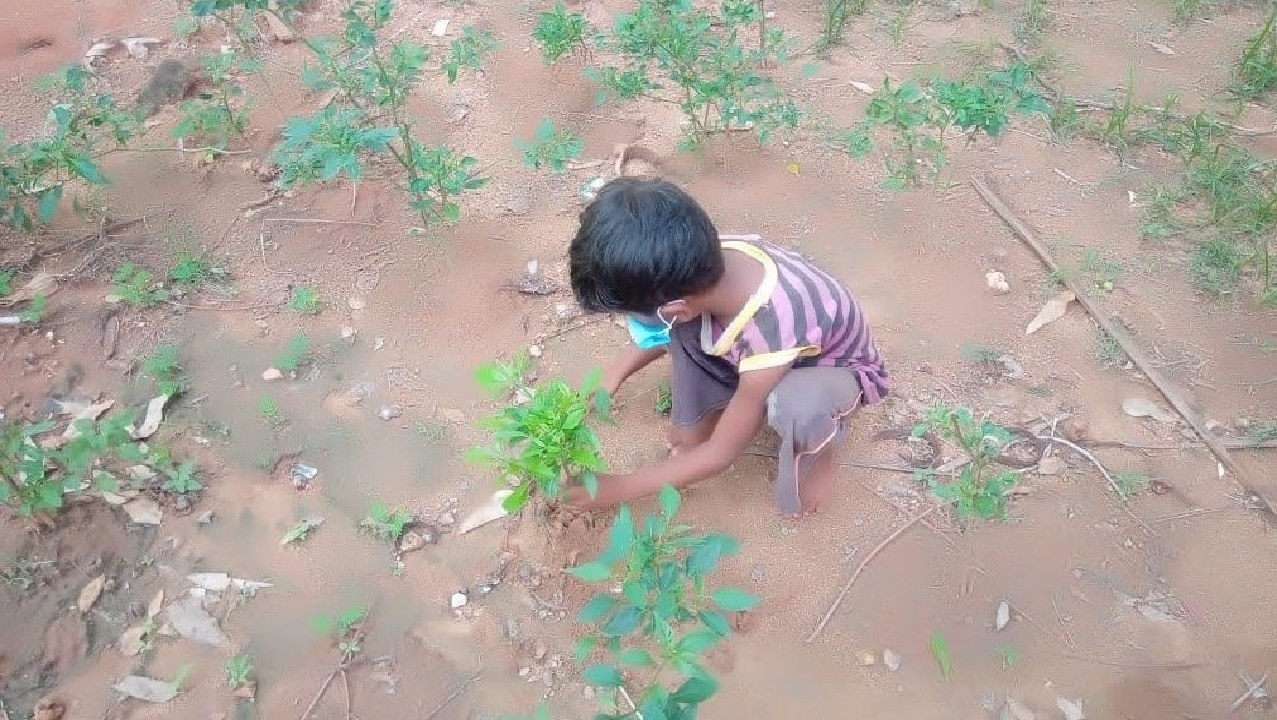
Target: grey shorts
{"points": [[808, 409]]}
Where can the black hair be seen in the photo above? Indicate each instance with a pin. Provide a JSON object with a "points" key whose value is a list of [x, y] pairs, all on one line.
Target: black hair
{"points": [[642, 243]]}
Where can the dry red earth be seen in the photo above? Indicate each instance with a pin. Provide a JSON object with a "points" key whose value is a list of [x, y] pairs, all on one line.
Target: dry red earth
{"points": [[1150, 620]]}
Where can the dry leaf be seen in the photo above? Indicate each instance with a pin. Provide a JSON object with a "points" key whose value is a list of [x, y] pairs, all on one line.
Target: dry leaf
{"points": [[145, 688], [491, 510], [131, 641], [154, 416], [1014, 710], [144, 511], [90, 593], [41, 284], [140, 47], [864, 87], [1053, 310], [189, 618], [213, 582], [1072, 710], [1163, 49], [90, 412], [1140, 408], [157, 602]]}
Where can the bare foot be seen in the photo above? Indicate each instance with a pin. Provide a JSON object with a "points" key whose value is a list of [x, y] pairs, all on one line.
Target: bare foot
{"points": [[816, 484]]}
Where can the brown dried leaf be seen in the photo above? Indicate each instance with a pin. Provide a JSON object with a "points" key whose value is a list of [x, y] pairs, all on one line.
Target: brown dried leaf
{"points": [[90, 593], [1053, 310]]}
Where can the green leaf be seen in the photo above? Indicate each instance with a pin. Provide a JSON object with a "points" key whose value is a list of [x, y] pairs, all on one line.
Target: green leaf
{"points": [[585, 646], [638, 657], [603, 676], [621, 537], [698, 641], [695, 690], [596, 609], [716, 622], [591, 572], [87, 169], [940, 648], [49, 200], [624, 622], [670, 500], [734, 600]]}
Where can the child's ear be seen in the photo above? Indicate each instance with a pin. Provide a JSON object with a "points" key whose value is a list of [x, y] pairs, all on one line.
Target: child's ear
{"points": [[677, 311]]}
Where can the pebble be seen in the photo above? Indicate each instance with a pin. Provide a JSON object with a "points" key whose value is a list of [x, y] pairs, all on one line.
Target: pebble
{"points": [[1052, 465], [535, 351], [205, 518], [512, 631], [459, 600], [357, 303], [891, 659], [447, 518], [347, 332], [272, 374], [867, 658], [997, 282], [390, 412]]}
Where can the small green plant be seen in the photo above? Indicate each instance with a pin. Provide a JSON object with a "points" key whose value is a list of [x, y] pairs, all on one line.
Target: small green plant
{"points": [[837, 13], [295, 355], [299, 532], [6, 281], [1263, 432], [917, 118], [1108, 351], [1102, 271], [135, 286], [370, 117], [35, 310], [665, 618], [384, 523], [664, 399], [980, 487], [305, 300], [269, 409], [1030, 27], [559, 32], [551, 147], [182, 479], [213, 120], [1129, 484], [164, 366], [191, 271], [1215, 267], [940, 650], [702, 61], [982, 354], [239, 671], [83, 127], [1007, 655], [547, 441], [1255, 74], [347, 631]]}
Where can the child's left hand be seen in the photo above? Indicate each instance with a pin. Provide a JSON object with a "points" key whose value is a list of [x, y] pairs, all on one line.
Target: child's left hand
{"points": [[577, 498]]}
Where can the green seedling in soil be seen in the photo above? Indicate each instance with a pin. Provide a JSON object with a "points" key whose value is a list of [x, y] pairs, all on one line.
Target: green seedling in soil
{"points": [[6, 281], [185, 28], [369, 117], [83, 128], [1215, 267], [182, 479], [164, 366], [559, 32], [1255, 74], [347, 631], [135, 286], [384, 523], [1129, 484], [190, 272], [295, 355], [1263, 432], [917, 117], [980, 488], [664, 399], [837, 13], [709, 63], [1187, 10], [900, 22], [1117, 130], [34, 312], [1103, 272], [551, 147], [547, 441], [299, 532], [239, 671], [1109, 351], [305, 300], [505, 378], [940, 650], [1031, 26], [1007, 655], [270, 411], [981, 353], [213, 119], [665, 618]]}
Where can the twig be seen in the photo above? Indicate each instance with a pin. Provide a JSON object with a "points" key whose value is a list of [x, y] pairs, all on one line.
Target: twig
{"points": [[1137, 665], [1117, 490], [846, 588], [542, 339], [4, 711], [1192, 513], [1254, 689], [235, 308], [322, 689], [321, 221], [455, 693], [345, 679], [1133, 351], [1230, 443]]}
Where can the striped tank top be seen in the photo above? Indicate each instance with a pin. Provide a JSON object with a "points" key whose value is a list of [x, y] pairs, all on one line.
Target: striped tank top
{"points": [[798, 316]]}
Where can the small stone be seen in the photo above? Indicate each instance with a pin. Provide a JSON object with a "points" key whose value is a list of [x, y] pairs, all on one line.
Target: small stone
{"points": [[1242, 423], [535, 351], [181, 504], [525, 671], [411, 542], [347, 332], [440, 27], [1051, 465], [997, 282], [459, 600], [566, 311], [512, 630], [447, 519], [588, 692], [205, 518], [378, 343], [390, 412], [357, 303], [1075, 429], [539, 651], [867, 659], [247, 691], [1003, 615], [271, 374], [891, 659]]}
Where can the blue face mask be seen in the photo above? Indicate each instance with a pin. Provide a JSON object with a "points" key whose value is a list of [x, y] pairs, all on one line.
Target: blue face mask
{"points": [[647, 335]]}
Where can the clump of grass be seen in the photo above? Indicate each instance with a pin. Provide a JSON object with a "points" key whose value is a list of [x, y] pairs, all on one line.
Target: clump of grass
{"points": [[837, 13], [1109, 351], [305, 300], [270, 411], [384, 523], [1215, 267], [164, 366], [1033, 23], [1255, 74], [295, 355]]}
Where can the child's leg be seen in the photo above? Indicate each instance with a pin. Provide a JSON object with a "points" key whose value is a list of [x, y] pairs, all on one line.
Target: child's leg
{"points": [[700, 387], [808, 409]]}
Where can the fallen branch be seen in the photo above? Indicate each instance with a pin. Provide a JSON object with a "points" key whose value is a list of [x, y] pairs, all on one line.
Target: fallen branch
{"points": [[1117, 490], [846, 588], [1136, 664], [320, 221], [322, 689], [1132, 350], [1230, 443], [455, 694]]}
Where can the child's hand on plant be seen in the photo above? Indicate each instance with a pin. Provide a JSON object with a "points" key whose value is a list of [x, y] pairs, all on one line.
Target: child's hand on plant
{"points": [[610, 492]]}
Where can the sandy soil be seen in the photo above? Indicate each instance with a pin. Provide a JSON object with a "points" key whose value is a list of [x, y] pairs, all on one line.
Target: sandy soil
{"points": [[1147, 611]]}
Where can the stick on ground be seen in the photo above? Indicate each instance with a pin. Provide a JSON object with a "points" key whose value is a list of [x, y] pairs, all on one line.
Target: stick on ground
{"points": [[455, 693], [1132, 350], [846, 588]]}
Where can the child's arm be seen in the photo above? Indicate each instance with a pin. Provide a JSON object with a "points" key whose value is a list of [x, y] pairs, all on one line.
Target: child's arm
{"points": [[743, 416], [630, 362]]}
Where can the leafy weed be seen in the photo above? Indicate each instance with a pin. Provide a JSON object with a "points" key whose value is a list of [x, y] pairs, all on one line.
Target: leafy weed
{"points": [[384, 523], [980, 487], [551, 147]]}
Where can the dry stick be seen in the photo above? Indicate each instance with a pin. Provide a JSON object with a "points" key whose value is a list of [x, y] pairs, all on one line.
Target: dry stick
{"points": [[1132, 350], [1103, 471], [1230, 443], [455, 693], [1136, 664], [321, 221], [322, 689], [846, 588]]}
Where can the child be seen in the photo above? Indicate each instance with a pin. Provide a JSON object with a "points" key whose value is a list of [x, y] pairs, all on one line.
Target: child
{"points": [[754, 332]]}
